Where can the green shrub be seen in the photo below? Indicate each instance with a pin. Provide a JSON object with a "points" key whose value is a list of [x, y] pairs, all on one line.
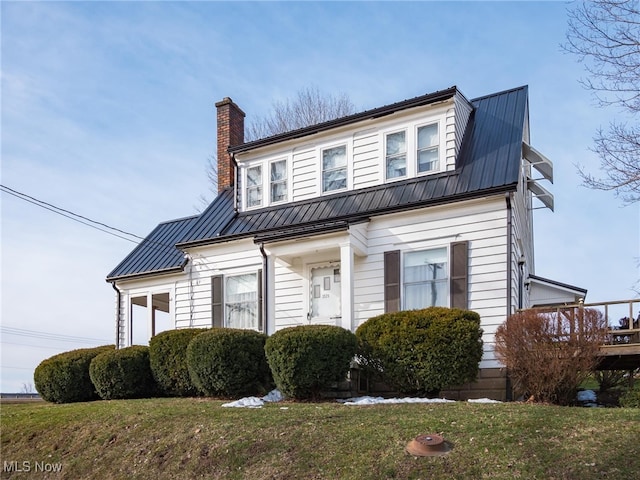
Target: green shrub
{"points": [[228, 362], [422, 351], [124, 373], [631, 398], [64, 378], [307, 359], [168, 359]]}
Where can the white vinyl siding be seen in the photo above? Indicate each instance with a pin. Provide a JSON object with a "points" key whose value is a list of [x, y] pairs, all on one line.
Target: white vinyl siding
{"points": [[481, 223], [366, 169], [193, 291], [304, 178]]}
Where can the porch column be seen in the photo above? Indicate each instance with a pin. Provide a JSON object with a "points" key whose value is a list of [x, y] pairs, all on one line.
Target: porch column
{"points": [[346, 279], [151, 316], [270, 294]]}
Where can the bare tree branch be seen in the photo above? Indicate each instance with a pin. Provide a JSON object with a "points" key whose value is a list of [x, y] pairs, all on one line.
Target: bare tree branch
{"points": [[605, 36], [309, 107]]}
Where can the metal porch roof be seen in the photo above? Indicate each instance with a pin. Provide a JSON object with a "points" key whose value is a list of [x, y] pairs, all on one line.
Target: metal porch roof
{"points": [[156, 253]]}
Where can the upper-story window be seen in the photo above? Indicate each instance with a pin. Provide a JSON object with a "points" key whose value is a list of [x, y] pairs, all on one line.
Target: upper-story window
{"points": [[254, 186], [334, 168], [428, 158], [396, 154], [278, 181]]}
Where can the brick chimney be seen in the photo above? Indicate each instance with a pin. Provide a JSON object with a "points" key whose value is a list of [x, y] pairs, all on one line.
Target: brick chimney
{"points": [[230, 119]]}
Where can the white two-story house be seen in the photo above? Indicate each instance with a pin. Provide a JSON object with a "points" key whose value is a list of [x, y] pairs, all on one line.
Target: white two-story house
{"points": [[428, 201]]}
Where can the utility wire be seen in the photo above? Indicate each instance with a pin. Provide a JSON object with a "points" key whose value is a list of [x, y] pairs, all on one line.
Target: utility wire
{"points": [[84, 220], [21, 332], [60, 211]]}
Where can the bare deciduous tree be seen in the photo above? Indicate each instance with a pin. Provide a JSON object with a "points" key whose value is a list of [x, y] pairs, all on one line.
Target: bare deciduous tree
{"points": [[309, 107], [605, 35]]}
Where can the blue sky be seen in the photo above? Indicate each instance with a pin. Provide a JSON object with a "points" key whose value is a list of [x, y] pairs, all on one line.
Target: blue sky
{"points": [[108, 111]]}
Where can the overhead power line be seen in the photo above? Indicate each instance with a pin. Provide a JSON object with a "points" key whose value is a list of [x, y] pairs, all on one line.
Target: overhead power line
{"points": [[23, 332], [103, 227]]}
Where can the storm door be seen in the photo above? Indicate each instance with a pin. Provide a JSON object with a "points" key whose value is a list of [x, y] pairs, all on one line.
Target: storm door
{"points": [[325, 302]]}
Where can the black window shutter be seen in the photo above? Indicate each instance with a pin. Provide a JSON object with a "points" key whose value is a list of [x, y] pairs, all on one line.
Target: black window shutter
{"points": [[459, 275], [261, 314], [217, 301], [392, 281]]}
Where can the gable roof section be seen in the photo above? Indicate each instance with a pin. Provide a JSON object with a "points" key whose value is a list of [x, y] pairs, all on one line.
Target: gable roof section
{"points": [[378, 112], [156, 253], [488, 163]]}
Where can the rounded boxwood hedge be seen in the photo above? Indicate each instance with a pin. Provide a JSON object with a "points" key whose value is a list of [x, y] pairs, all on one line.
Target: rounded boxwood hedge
{"points": [[168, 359], [228, 362], [305, 360], [422, 351], [123, 373], [64, 378]]}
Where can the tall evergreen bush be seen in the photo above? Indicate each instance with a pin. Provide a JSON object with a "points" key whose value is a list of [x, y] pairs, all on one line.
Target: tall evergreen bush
{"points": [[123, 373], [228, 362], [168, 359], [64, 378], [305, 360], [422, 351]]}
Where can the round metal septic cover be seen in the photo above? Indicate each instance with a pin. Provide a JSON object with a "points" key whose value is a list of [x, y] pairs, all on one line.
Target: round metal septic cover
{"points": [[428, 445]]}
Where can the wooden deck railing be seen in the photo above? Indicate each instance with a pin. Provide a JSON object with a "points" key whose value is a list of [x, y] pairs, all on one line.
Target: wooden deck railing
{"points": [[621, 349], [623, 326]]}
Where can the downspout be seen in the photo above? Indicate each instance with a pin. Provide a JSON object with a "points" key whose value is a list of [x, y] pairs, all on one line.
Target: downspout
{"points": [[119, 300], [508, 387], [265, 289], [509, 252]]}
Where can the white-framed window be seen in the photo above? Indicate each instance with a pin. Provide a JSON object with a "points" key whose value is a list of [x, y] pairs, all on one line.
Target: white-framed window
{"points": [[396, 154], [241, 301], [278, 181], [334, 168], [425, 279], [254, 186], [428, 159]]}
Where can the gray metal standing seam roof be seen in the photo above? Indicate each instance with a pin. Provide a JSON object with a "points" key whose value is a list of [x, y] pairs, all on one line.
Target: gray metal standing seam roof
{"points": [[488, 163], [156, 253]]}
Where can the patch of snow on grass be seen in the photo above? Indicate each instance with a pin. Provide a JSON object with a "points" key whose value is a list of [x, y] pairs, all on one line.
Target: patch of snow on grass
{"points": [[482, 400], [255, 402]]}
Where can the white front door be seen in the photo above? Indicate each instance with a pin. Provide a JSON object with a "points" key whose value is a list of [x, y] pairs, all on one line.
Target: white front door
{"points": [[324, 302]]}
